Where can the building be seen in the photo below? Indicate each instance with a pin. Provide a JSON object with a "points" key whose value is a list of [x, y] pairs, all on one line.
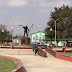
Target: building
{"points": [[37, 37], [17, 40]]}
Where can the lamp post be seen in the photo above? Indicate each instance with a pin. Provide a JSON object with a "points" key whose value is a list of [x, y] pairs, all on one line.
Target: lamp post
{"points": [[51, 34], [2, 36], [20, 36], [12, 33], [55, 27]]}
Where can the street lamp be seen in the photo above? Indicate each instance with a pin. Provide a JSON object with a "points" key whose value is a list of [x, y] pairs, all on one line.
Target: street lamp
{"points": [[12, 33], [51, 34], [55, 27], [20, 36], [2, 36]]}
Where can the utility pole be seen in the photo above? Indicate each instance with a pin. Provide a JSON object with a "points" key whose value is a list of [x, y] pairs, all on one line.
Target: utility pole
{"points": [[2, 36], [12, 28], [51, 35]]}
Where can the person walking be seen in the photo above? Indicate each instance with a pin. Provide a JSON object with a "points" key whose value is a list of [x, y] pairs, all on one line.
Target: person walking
{"points": [[35, 51]]}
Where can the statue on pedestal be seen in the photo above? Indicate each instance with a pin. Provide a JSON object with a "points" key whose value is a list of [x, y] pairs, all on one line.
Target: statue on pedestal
{"points": [[26, 39]]}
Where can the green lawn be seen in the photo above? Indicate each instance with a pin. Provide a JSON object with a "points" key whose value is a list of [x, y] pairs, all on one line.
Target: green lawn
{"points": [[6, 65], [66, 54]]}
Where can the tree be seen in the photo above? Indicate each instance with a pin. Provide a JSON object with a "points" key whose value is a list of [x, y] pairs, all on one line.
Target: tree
{"points": [[6, 34], [64, 24]]}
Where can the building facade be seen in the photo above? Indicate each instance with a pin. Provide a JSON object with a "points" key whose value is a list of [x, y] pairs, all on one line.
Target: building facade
{"points": [[37, 37]]}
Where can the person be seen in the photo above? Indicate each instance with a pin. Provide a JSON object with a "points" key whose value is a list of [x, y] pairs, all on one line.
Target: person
{"points": [[26, 30], [35, 50]]}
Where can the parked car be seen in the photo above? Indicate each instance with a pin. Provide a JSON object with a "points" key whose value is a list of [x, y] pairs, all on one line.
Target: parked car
{"points": [[39, 43], [47, 44]]}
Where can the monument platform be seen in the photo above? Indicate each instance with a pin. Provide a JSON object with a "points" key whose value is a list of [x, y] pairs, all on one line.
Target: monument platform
{"points": [[25, 40]]}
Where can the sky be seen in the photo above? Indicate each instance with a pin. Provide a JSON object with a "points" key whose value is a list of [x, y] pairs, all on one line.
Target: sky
{"points": [[28, 12]]}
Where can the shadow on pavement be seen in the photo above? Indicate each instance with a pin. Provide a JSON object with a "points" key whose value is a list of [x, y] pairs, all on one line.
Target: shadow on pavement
{"points": [[24, 70]]}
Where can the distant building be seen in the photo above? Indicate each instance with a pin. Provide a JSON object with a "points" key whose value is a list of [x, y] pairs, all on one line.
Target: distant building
{"points": [[17, 40], [37, 37]]}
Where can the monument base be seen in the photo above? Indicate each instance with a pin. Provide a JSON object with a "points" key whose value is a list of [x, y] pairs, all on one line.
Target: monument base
{"points": [[25, 40]]}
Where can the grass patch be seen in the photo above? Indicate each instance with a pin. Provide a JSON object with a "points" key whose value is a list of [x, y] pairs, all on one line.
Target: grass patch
{"points": [[66, 54], [6, 65]]}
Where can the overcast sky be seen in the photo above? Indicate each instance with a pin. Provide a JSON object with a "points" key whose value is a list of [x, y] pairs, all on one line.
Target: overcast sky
{"points": [[28, 12]]}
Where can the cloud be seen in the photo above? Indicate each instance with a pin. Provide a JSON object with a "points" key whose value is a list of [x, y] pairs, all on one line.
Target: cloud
{"points": [[3, 3], [35, 3], [17, 3], [58, 3], [44, 10], [18, 19], [63, 2], [3, 13], [46, 6]]}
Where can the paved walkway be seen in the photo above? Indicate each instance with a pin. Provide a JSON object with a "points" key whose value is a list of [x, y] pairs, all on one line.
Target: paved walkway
{"points": [[37, 63]]}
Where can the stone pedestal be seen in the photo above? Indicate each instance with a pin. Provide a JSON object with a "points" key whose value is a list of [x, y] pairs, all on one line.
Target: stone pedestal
{"points": [[25, 40]]}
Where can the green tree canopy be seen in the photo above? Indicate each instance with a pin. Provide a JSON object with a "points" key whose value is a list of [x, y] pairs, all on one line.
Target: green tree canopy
{"points": [[6, 34], [63, 25]]}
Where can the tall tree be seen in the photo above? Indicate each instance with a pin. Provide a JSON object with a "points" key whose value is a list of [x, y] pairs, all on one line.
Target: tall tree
{"points": [[64, 24], [6, 34]]}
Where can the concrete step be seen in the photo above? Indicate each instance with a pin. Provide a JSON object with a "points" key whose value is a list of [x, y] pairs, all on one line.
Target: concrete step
{"points": [[48, 54], [16, 52]]}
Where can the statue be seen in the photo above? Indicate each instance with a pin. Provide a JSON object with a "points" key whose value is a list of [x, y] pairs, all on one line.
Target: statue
{"points": [[25, 30]]}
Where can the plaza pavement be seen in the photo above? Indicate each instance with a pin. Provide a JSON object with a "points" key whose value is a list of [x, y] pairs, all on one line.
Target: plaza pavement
{"points": [[37, 63]]}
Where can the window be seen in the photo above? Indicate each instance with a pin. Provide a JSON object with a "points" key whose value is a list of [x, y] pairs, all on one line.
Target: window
{"points": [[33, 38]]}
